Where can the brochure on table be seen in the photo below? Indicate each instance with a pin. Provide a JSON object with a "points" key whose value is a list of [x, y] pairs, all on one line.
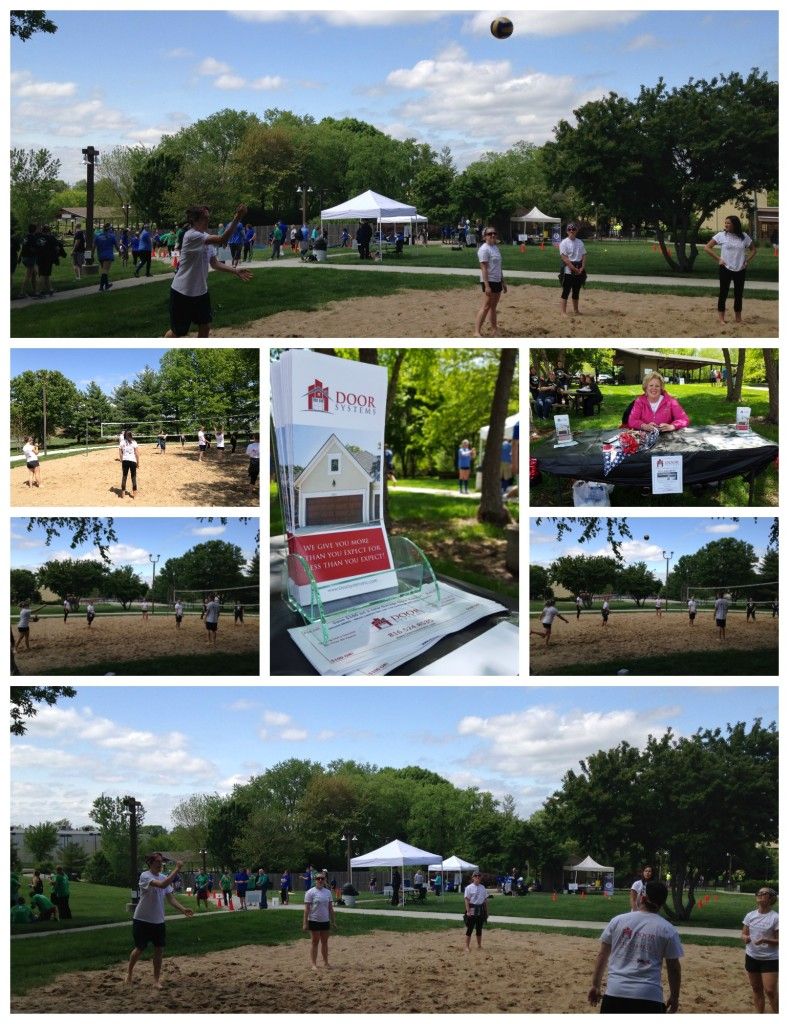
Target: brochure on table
{"points": [[329, 418]]}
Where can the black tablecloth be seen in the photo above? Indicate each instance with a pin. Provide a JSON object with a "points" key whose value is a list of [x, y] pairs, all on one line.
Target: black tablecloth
{"points": [[708, 454], [287, 659]]}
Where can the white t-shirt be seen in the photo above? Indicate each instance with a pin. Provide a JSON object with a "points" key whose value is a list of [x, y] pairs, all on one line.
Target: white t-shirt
{"points": [[319, 901], [253, 450], [24, 618], [491, 255], [30, 453], [548, 615], [90, 610], [144, 606], [129, 451], [574, 249], [191, 277], [212, 611], [692, 606], [654, 406], [733, 249], [151, 905], [201, 437], [639, 943], [658, 602], [605, 606], [721, 608], [220, 440], [66, 606], [638, 888], [476, 894], [761, 926], [578, 602], [179, 608]]}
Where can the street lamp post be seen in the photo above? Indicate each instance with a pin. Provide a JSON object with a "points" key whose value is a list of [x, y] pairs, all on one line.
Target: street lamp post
{"points": [[133, 805], [347, 838], [153, 560], [729, 871], [203, 854], [303, 190], [90, 159], [668, 558]]}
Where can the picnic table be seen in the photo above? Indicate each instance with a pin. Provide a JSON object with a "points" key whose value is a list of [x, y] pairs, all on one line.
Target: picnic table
{"points": [[709, 454]]}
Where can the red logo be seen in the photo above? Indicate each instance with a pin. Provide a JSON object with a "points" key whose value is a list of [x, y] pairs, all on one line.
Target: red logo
{"points": [[380, 623], [318, 397]]}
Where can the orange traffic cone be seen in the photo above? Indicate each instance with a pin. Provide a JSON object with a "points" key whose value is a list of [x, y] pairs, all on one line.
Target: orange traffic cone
{"points": [[655, 247], [554, 897], [542, 245], [522, 247], [218, 902], [699, 904], [775, 251], [707, 898], [583, 894]]}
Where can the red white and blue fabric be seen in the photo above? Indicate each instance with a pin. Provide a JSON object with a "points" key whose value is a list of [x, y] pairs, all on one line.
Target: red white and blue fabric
{"points": [[628, 443]]}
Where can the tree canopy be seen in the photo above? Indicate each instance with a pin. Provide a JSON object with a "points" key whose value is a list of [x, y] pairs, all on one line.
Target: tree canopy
{"points": [[25, 698]]}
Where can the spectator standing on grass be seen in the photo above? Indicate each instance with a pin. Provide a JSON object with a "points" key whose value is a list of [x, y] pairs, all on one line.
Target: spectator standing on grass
{"points": [[284, 887], [226, 885], [237, 244], [144, 251], [190, 302], [633, 946], [466, 455], [364, 234], [249, 242], [262, 882], [148, 922], [201, 889], [638, 888], [78, 252], [37, 885], [242, 881], [397, 880], [27, 257], [760, 934], [49, 252], [104, 245]]}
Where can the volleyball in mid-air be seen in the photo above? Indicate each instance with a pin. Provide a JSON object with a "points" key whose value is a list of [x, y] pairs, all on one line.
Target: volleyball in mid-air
{"points": [[501, 28], [646, 536]]}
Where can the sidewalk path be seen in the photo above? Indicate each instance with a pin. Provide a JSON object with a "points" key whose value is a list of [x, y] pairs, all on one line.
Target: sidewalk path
{"points": [[540, 922], [389, 268]]}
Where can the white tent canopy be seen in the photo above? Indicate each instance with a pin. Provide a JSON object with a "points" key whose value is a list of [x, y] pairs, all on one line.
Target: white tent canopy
{"points": [[415, 218], [396, 854], [368, 206], [588, 864], [454, 864], [509, 424], [536, 216]]}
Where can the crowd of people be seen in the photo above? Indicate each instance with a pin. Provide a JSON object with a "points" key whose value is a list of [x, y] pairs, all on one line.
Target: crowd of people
{"points": [[38, 906]]}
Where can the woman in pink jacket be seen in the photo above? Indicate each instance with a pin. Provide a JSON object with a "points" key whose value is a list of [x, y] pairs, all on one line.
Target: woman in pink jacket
{"points": [[656, 408]]}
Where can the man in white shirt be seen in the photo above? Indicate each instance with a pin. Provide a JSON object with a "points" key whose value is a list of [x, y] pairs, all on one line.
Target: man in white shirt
{"points": [[253, 454], [692, 611], [212, 619], [148, 920]]}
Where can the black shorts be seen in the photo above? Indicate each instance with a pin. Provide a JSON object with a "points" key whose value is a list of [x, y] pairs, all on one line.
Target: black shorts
{"points": [[495, 286], [754, 966], [186, 310], [33, 465], [720, 623], [179, 618], [318, 926], [621, 1004], [145, 932], [605, 616], [546, 626], [211, 626], [691, 616], [22, 630]]}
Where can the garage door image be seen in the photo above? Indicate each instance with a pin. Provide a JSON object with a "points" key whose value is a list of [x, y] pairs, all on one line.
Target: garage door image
{"points": [[345, 508]]}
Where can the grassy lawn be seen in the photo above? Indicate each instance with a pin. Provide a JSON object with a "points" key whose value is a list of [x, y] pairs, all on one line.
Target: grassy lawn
{"points": [[224, 664], [620, 258], [447, 531], [704, 405], [32, 960], [143, 312], [762, 662]]}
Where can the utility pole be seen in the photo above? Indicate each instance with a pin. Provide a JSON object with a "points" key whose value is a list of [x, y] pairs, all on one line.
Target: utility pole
{"points": [[89, 155]]}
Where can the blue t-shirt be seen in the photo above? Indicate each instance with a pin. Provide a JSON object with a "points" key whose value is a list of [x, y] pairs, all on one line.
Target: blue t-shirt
{"points": [[506, 451], [250, 235], [105, 243], [464, 458], [241, 879], [238, 235], [144, 244]]}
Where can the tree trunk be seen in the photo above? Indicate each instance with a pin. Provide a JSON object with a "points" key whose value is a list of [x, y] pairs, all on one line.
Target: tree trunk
{"points": [[727, 361], [661, 240], [491, 507], [734, 377], [679, 875], [394, 375], [771, 372]]}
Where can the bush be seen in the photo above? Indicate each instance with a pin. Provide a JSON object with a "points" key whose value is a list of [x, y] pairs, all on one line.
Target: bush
{"points": [[753, 885], [99, 871]]}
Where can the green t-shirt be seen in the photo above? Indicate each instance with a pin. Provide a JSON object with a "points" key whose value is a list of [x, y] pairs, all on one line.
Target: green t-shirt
{"points": [[227, 883], [41, 902], [60, 885], [262, 881], [21, 914], [201, 881]]}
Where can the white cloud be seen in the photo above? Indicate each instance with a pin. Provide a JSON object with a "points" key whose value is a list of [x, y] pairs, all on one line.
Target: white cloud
{"points": [[208, 531], [176, 53], [349, 18], [722, 528], [127, 553], [640, 551], [243, 705], [549, 23], [325, 734], [294, 735], [276, 718], [270, 82], [230, 82], [643, 42], [539, 744], [210, 66], [47, 90]]}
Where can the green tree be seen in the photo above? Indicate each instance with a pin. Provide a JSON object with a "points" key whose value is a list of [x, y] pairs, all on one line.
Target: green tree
{"points": [[140, 401], [210, 385], [41, 840], [226, 822], [432, 194], [638, 582], [112, 817], [34, 181], [579, 573], [71, 579], [23, 586], [73, 859], [124, 585], [27, 402], [94, 406], [100, 871], [152, 181], [25, 698], [539, 583], [672, 157], [726, 564], [118, 169], [191, 817], [214, 564], [25, 23]]}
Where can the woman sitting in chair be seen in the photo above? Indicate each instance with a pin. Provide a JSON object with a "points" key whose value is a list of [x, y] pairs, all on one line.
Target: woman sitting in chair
{"points": [[592, 395], [656, 408]]}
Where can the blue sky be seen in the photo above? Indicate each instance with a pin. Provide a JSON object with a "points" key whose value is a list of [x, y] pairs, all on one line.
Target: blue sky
{"points": [[682, 536], [107, 367], [164, 744], [129, 77], [137, 539]]}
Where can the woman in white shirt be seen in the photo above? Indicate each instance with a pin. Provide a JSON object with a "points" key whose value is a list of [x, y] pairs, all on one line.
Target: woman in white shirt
{"points": [[737, 251], [476, 901], [319, 918], [491, 281], [760, 934], [30, 451], [130, 462], [573, 255]]}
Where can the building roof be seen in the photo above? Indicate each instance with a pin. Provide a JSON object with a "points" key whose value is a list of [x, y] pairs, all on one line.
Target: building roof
{"points": [[668, 358], [81, 212]]}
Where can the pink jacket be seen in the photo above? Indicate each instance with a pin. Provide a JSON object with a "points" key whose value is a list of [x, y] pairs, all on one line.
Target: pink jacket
{"points": [[669, 411]]}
